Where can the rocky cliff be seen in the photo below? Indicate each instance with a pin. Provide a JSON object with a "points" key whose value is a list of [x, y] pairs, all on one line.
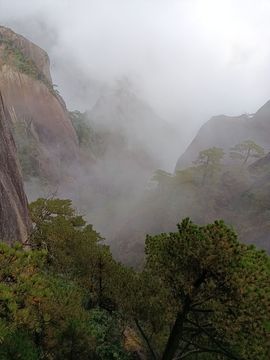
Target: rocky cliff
{"points": [[227, 131], [14, 220], [37, 111]]}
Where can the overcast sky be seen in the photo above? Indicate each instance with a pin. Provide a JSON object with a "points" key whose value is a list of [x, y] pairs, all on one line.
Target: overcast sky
{"points": [[190, 59]]}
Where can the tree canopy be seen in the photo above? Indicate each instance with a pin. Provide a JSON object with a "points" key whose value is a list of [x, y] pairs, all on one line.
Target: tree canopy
{"points": [[246, 150], [210, 160], [200, 294]]}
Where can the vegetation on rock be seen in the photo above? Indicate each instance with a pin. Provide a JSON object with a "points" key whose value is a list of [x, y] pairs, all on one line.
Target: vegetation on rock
{"points": [[246, 150], [27, 148], [88, 138], [210, 161], [14, 56]]}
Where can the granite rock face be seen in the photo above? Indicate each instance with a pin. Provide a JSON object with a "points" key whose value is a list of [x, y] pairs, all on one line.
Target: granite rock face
{"points": [[32, 102], [14, 217]]}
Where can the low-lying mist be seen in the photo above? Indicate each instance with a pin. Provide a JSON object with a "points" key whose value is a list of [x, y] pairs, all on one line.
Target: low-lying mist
{"points": [[189, 60], [122, 143], [179, 63]]}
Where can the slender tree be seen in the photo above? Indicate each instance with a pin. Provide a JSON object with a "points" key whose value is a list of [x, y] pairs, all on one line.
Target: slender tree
{"points": [[210, 161], [246, 150]]}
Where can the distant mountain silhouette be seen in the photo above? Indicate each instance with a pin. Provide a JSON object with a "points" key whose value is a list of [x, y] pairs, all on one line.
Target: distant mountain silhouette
{"points": [[226, 131]]}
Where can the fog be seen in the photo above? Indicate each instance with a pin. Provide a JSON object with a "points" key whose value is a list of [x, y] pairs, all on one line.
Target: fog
{"points": [[190, 59], [187, 60]]}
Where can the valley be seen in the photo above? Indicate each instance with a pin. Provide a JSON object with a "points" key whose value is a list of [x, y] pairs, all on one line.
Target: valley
{"points": [[107, 254]]}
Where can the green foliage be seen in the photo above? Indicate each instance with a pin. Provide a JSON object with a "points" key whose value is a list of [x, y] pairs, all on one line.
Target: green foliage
{"points": [[207, 294], [27, 147], [36, 306], [83, 130], [50, 295], [74, 248], [201, 293], [237, 194], [209, 161], [246, 150], [18, 346], [107, 330], [14, 56], [210, 157], [87, 137]]}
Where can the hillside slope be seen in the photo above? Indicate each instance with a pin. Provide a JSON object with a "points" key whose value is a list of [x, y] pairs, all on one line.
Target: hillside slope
{"points": [[235, 192]]}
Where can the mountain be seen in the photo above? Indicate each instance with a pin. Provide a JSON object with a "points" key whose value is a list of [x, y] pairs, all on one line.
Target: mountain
{"points": [[226, 131], [237, 193], [46, 138], [129, 141], [122, 112], [14, 224], [101, 159]]}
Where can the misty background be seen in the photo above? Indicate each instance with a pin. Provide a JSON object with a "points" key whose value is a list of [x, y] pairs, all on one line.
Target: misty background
{"points": [[177, 62], [189, 59]]}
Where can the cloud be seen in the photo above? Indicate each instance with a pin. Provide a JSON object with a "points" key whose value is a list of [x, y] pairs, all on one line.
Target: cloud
{"points": [[189, 59]]}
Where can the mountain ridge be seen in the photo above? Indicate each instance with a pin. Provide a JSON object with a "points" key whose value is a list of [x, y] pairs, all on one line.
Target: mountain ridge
{"points": [[227, 131]]}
